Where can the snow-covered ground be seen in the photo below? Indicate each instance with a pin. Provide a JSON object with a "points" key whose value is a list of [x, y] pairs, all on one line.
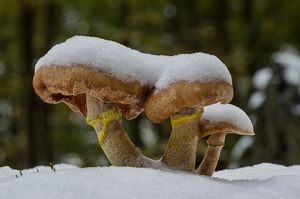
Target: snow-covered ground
{"points": [[67, 181]]}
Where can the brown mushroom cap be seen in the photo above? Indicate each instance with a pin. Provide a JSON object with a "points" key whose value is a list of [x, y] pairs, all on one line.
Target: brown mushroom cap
{"points": [[71, 84], [162, 104], [206, 128], [227, 118]]}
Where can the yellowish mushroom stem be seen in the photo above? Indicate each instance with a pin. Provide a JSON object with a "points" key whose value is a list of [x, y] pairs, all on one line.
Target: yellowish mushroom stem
{"points": [[180, 153], [117, 146], [210, 160]]}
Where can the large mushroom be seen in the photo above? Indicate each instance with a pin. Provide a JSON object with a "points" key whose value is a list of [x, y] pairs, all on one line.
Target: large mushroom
{"points": [[181, 93], [68, 73], [217, 121], [103, 80]]}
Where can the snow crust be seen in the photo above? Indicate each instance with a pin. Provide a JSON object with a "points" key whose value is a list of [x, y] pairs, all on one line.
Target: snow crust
{"points": [[228, 113], [260, 181], [128, 64]]}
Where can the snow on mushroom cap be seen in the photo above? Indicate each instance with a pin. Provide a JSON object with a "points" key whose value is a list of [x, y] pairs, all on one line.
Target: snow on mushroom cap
{"points": [[128, 64], [193, 67], [228, 113]]}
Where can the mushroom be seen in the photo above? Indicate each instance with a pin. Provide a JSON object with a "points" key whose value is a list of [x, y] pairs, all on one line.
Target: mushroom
{"points": [[217, 121], [102, 80], [68, 73], [183, 101]]}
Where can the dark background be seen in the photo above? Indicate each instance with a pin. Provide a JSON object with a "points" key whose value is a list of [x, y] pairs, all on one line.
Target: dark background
{"points": [[244, 34]]}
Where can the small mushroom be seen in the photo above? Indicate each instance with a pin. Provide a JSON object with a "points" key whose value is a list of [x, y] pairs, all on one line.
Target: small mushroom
{"points": [[183, 101], [217, 121], [101, 99]]}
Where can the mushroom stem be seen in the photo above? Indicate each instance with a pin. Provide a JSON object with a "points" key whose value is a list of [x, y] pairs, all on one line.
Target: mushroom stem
{"points": [[210, 160], [180, 153], [117, 146]]}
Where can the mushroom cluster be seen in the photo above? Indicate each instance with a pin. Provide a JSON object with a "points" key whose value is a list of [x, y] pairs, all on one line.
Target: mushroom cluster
{"points": [[103, 81]]}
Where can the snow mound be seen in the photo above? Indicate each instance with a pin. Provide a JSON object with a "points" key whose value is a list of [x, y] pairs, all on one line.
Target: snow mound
{"points": [[128, 64], [260, 181]]}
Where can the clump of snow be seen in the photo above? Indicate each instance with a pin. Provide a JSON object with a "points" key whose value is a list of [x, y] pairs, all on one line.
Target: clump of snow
{"points": [[128, 64], [291, 62], [262, 77], [260, 181], [257, 99], [239, 149], [72, 158], [292, 76], [149, 135], [228, 113], [296, 109], [287, 59]]}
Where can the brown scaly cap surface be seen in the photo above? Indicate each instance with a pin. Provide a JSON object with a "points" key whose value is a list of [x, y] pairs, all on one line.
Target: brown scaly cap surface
{"points": [[162, 104], [70, 84]]}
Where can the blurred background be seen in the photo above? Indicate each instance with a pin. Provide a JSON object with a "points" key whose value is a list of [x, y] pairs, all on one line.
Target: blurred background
{"points": [[257, 40]]}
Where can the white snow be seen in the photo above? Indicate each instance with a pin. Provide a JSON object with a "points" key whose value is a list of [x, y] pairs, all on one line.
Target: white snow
{"points": [[128, 64], [262, 77], [291, 62], [287, 59], [261, 171], [295, 110], [149, 135], [260, 181], [228, 113], [239, 149], [257, 99], [292, 76]]}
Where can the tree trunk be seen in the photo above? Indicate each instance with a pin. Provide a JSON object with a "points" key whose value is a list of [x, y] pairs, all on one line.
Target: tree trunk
{"points": [[26, 30]]}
